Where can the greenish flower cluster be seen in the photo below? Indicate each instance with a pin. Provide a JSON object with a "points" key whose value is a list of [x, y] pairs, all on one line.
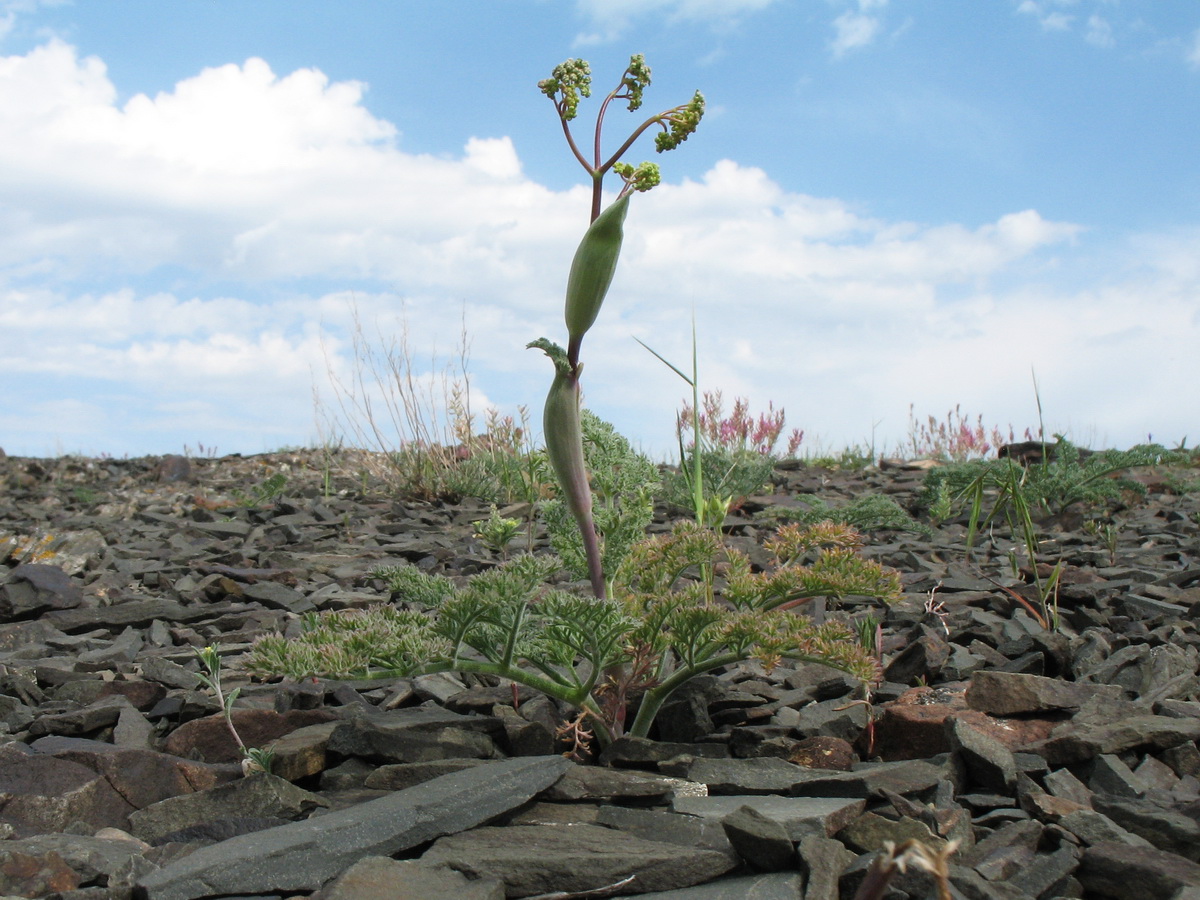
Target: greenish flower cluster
{"points": [[572, 79]]}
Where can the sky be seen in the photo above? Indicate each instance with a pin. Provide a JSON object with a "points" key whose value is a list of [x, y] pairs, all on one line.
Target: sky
{"points": [[219, 220]]}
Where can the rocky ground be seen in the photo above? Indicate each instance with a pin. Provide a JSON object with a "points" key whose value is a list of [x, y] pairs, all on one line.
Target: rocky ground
{"points": [[1057, 764]]}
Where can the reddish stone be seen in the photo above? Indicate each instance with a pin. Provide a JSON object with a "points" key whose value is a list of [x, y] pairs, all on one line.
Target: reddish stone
{"points": [[821, 752], [24, 875], [913, 726], [209, 740]]}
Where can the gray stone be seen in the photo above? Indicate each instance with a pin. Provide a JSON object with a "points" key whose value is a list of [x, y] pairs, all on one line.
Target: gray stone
{"points": [[536, 859], [1166, 829], [771, 886], [1046, 870], [869, 832], [799, 815], [381, 878], [1062, 783], [398, 776], [1112, 777], [1072, 743], [414, 735], [1121, 872], [1008, 693], [86, 720], [904, 777], [988, 763], [823, 860], [300, 856], [1092, 827], [593, 783], [671, 828], [32, 589], [761, 775], [760, 840], [258, 796]]}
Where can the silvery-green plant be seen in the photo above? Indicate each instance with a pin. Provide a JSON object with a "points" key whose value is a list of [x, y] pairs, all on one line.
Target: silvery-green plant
{"points": [[593, 267], [662, 627], [254, 759], [497, 531]]}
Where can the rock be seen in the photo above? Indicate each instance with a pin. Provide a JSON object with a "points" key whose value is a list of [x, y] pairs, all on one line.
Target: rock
{"points": [[209, 740], [760, 840], [656, 825], [112, 863], [799, 816], [415, 735], [1007, 693], [300, 856], [762, 775], [823, 860], [257, 796], [589, 783], [1073, 743], [1164, 828], [778, 886], [381, 878], [872, 779], [988, 763], [823, 753], [35, 588], [535, 859], [43, 794], [1121, 872], [142, 777]]}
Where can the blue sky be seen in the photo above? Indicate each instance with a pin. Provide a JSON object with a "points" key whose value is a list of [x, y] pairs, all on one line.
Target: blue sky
{"points": [[889, 203]]}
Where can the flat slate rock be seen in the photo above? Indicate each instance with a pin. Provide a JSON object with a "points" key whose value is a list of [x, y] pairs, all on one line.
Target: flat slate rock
{"points": [[538, 859], [801, 816], [772, 886], [300, 856]]}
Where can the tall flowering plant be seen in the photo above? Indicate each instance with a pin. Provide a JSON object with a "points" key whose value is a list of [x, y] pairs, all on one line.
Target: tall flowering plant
{"points": [[594, 264]]}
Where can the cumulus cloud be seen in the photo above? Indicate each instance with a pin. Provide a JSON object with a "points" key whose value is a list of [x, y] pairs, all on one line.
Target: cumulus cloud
{"points": [[1048, 13], [150, 288], [1099, 32], [856, 28]]}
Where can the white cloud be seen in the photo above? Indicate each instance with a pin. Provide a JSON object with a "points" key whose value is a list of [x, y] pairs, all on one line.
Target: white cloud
{"points": [[1099, 32], [1048, 14], [115, 229], [853, 30], [1193, 56]]}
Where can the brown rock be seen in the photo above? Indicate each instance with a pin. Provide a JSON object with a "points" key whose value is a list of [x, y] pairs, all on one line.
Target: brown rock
{"points": [[1009, 693], [44, 794], [209, 740], [820, 752], [26, 875]]}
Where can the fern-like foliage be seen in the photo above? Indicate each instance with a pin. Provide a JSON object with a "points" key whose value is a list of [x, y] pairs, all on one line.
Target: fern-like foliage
{"points": [[870, 513], [1067, 475], [665, 625]]}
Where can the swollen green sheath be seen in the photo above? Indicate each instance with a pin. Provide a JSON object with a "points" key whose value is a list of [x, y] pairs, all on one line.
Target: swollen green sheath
{"points": [[563, 432], [593, 267]]}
